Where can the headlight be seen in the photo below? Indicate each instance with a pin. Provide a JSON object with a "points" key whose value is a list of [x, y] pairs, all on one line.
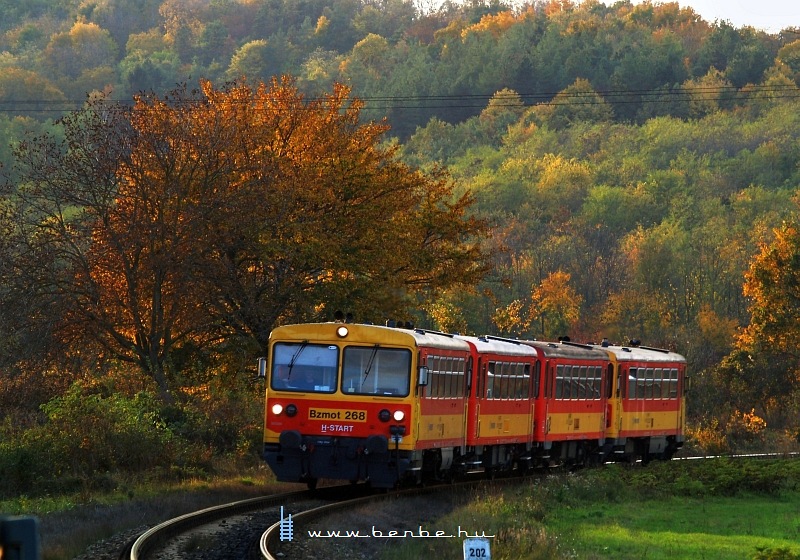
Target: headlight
{"points": [[277, 408], [342, 332], [398, 415], [384, 415], [291, 410]]}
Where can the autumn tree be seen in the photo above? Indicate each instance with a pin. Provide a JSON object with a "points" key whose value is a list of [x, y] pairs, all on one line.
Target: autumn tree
{"points": [[552, 310], [773, 286], [763, 370], [211, 216], [555, 306]]}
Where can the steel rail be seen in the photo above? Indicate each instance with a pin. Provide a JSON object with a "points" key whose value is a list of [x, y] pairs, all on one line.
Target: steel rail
{"points": [[163, 532], [270, 537]]}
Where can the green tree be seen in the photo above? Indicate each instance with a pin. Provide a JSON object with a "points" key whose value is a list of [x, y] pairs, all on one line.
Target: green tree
{"points": [[576, 103], [85, 46], [789, 55], [28, 91]]}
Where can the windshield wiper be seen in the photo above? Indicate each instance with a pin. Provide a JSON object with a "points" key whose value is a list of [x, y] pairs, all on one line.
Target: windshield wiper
{"points": [[369, 365], [294, 358]]}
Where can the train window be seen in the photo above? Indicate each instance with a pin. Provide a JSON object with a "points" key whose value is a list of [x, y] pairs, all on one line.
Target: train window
{"points": [[537, 379], [501, 381], [574, 381], [560, 381], [461, 376], [372, 370], [632, 382], [449, 373], [649, 382], [430, 390], [304, 367], [641, 381], [441, 384], [658, 380], [673, 383], [596, 384], [457, 383], [444, 377], [525, 385], [512, 378], [490, 381], [582, 382]]}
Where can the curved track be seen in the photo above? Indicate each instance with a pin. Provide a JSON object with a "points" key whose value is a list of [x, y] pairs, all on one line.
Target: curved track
{"points": [[307, 506], [152, 540]]}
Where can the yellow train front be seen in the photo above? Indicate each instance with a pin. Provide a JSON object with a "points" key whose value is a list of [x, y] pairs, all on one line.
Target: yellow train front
{"points": [[342, 401]]}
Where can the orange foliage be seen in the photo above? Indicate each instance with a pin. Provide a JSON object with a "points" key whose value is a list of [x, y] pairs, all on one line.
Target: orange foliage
{"points": [[221, 213], [773, 285]]}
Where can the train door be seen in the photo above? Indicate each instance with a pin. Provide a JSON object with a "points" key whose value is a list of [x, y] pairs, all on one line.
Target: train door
{"points": [[614, 388], [479, 395], [533, 395], [608, 395], [467, 399], [548, 395]]}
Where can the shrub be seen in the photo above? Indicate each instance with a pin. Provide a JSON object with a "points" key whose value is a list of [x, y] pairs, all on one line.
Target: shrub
{"points": [[85, 436]]}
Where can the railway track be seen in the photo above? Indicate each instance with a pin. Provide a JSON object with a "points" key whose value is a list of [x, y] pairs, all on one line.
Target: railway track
{"points": [[251, 529], [199, 534], [266, 527]]}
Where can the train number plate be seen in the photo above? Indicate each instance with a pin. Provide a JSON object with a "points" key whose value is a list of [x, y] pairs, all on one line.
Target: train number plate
{"points": [[337, 415]]}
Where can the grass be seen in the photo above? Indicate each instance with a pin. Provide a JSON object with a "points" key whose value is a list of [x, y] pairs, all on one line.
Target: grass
{"points": [[714, 510], [71, 522], [718, 527]]}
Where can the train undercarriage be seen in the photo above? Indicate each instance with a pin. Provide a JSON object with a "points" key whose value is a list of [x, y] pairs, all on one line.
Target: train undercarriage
{"points": [[376, 460]]}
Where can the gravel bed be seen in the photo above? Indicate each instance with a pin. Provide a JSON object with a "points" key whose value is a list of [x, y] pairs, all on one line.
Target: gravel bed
{"points": [[235, 539]]}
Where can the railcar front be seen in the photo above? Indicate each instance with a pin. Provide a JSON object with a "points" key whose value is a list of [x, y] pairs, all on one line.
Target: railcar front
{"points": [[342, 400]]}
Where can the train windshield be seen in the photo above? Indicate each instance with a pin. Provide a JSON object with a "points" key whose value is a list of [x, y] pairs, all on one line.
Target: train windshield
{"points": [[304, 367], [372, 370]]}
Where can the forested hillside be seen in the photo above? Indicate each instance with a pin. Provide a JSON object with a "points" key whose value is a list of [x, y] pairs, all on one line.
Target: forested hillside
{"points": [[533, 170]]}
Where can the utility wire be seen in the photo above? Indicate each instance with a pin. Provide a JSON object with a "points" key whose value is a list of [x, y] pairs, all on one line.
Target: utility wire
{"points": [[477, 101]]}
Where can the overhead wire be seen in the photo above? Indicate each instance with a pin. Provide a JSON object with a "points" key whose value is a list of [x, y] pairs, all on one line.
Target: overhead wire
{"points": [[478, 101]]}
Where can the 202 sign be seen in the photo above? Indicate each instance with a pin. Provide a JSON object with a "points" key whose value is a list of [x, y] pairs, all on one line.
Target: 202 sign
{"points": [[477, 549]]}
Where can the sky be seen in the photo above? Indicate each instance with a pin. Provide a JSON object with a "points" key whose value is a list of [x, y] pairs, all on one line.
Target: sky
{"points": [[769, 15]]}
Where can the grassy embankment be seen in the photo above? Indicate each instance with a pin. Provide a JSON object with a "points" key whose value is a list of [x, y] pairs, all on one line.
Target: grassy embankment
{"points": [[713, 509], [69, 523]]}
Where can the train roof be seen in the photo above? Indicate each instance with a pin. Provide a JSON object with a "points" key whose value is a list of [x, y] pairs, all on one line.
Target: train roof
{"points": [[643, 353], [500, 346], [369, 334], [568, 350]]}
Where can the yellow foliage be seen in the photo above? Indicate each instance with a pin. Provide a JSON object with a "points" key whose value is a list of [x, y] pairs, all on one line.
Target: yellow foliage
{"points": [[710, 438], [555, 305], [494, 24], [556, 7], [509, 318], [323, 23], [715, 330]]}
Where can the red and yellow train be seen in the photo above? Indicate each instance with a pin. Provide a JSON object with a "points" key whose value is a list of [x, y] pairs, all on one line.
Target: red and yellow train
{"points": [[383, 404]]}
